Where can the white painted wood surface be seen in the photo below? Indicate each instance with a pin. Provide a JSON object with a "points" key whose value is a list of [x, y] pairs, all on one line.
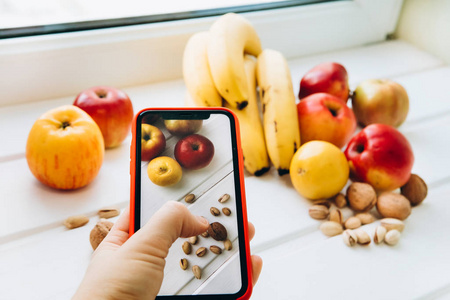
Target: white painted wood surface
{"points": [[38, 253]]}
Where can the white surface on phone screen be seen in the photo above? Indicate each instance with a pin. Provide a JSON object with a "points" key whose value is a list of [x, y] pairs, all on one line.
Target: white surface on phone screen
{"points": [[208, 184]]}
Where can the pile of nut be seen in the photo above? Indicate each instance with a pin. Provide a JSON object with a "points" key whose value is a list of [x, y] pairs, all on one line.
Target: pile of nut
{"points": [[361, 198], [216, 230]]}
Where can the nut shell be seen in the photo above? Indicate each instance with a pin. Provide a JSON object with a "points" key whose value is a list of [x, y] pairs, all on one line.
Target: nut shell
{"points": [[415, 190], [331, 228], [99, 232], [217, 231], [336, 216], [340, 200], [76, 221], [392, 205], [352, 223], [318, 212], [361, 196], [365, 218]]}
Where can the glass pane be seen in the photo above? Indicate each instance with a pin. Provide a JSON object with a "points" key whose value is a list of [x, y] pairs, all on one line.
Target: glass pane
{"points": [[29, 17]]}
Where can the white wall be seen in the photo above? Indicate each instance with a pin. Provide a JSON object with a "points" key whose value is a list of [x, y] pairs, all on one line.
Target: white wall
{"points": [[427, 25]]}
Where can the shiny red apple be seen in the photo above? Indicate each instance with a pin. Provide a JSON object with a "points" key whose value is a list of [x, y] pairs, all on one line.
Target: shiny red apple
{"points": [[153, 142], [380, 101], [327, 118], [381, 156], [194, 151], [111, 109], [329, 77]]}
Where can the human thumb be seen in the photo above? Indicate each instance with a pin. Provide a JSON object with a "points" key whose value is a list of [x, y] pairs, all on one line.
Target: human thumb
{"points": [[171, 221]]}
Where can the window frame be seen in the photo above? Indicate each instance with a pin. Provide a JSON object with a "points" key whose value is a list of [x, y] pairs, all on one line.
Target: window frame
{"points": [[52, 66]]}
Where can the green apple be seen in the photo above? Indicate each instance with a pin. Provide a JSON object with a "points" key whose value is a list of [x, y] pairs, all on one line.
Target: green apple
{"points": [[380, 101]]}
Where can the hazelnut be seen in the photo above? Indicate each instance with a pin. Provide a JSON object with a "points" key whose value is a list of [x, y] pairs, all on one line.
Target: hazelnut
{"points": [[391, 205], [361, 196], [217, 231], [340, 200], [99, 232], [415, 190]]}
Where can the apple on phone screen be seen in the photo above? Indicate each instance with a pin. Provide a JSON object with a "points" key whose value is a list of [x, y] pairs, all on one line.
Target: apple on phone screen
{"points": [[193, 156]]}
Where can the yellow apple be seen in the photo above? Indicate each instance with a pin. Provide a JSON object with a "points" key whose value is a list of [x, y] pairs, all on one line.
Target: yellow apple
{"points": [[164, 171], [65, 148], [319, 170]]}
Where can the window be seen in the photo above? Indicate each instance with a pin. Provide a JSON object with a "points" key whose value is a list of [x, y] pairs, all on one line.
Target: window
{"points": [[28, 17], [49, 66]]}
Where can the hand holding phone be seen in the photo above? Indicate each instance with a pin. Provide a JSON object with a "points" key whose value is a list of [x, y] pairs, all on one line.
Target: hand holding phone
{"points": [[193, 156], [135, 266]]}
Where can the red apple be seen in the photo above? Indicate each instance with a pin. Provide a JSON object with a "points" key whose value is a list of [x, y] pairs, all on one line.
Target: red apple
{"points": [[328, 78], [153, 142], [183, 127], [380, 101], [111, 109], [381, 156], [327, 118], [194, 151]]}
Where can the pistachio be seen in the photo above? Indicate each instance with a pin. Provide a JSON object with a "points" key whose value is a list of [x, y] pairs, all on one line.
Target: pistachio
{"points": [[380, 233], [350, 238], [187, 247], [331, 228], [365, 218], [415, 190], [323, 202], [392, 237], [336, 216], [205, 234], [340, 200], [190, 198], [108, 212], [201, 251], [197, 272], [193, 240], [391, 224], [227, 245], [363, 237], [76, 221], [183, 263], [319, 212], [352, 223], [217, 231], [392, 205], [226, 211], [224, 198], [215, 249], [361, 196], [214, 211]]}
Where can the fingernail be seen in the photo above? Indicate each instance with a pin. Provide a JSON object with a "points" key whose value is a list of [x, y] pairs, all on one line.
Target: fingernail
{"points": [[203, 220]]}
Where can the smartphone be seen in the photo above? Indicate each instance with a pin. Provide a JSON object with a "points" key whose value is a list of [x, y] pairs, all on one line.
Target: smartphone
{"points": [[194, 156]]}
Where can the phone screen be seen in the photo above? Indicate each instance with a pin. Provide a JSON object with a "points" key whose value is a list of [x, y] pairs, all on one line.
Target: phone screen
{"points": [[190, 156]]}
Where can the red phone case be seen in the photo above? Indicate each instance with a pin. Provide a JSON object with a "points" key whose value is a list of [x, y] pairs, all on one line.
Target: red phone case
{"points": [[241, 179]]}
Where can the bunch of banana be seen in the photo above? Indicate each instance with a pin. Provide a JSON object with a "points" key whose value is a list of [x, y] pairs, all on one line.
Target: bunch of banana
{"points": [[232, 36], [197, 76], [279, 110], [256, 160], [213, 62], [219, 70]]}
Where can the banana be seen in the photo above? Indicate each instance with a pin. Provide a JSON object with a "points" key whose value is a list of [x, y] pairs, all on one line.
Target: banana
{"points": [[231, 36], [256, 160], [196, 73], [279, 110]]}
